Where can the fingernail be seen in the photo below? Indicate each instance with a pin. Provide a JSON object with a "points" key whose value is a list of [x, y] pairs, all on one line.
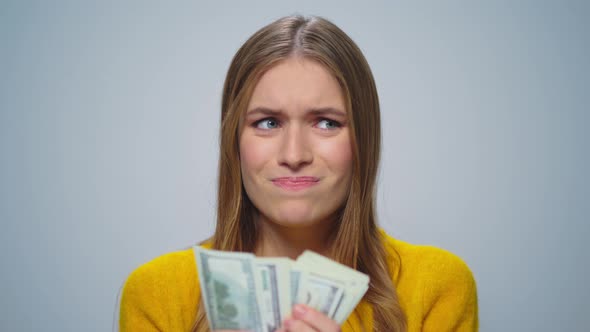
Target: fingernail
{"points": [[299, 310]]}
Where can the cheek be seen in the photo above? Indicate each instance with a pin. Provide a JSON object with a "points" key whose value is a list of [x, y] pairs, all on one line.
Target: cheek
{"points": [[337, 154], [253, 155]]}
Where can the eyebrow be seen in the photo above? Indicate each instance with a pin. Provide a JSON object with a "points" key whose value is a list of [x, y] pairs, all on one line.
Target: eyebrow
{"points": [[314, 111]]}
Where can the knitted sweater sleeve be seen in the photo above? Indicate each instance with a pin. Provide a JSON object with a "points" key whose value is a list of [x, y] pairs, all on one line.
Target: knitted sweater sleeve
{"points": [[161, 295], [450, 294], [139, 310]]}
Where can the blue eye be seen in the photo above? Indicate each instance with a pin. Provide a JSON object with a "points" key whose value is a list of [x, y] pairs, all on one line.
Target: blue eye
{"points": [[268, 123], [328, 124]]}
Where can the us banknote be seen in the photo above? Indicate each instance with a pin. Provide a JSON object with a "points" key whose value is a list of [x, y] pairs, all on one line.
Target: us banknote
{"points": [[229, 284], [319, 292], [242, 292], [355, 283], [274, 296]]}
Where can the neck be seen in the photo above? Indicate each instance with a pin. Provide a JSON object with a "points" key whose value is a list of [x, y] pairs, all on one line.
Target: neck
{"points": [[276, 240]]}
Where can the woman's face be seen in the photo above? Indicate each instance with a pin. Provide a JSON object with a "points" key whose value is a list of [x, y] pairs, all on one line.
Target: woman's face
{"points": [[295, 148]]}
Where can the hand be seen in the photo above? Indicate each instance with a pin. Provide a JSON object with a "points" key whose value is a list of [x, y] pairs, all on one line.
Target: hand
{"points": [[306, 319]]}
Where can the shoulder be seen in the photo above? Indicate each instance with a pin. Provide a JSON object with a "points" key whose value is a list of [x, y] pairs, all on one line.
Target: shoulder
{"points": [[172, 266], [436, 286], [160, 294], [171, 277], [429, 262], [431, 270], [163, 274]]}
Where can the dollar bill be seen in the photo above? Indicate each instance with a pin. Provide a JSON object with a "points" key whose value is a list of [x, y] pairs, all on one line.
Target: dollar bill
{"points": [[320, 293], [243, 292], [295, 277], [228, 287], [356, 283], [274, 296]]}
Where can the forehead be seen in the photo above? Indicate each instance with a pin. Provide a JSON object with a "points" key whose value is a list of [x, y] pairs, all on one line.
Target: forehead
{"points": [[296, 84]]}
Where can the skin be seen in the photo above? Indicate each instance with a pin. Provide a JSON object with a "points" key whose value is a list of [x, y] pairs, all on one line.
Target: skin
{"points": [[296, 125]]}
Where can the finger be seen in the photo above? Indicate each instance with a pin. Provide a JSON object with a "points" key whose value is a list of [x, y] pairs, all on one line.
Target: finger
{"points": [[295, 325], [315, 319]]}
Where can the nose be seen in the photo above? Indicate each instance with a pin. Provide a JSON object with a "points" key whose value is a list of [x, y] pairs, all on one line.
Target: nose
{"points": [[295, 151]]}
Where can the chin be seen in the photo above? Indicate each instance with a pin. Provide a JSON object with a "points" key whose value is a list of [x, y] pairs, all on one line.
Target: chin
{"points": [[296, 215], [296, 222]]}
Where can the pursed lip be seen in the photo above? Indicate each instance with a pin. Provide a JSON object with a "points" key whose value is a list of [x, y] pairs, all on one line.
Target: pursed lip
{"points": [[295, 183]]}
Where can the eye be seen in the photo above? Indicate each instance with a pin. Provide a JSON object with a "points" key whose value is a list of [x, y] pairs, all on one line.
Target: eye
{"points": [[328, 124], [267, 123]]}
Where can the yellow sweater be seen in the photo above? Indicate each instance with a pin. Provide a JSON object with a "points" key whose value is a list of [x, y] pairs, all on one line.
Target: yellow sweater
{"points": [[435, 288]]}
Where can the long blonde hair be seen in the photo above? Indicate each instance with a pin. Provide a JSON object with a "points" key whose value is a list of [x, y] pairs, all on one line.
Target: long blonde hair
{"points": [[358, 242]]}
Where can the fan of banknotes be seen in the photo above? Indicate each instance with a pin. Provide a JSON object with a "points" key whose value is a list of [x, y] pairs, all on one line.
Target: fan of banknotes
{"points": [[243, 292]]}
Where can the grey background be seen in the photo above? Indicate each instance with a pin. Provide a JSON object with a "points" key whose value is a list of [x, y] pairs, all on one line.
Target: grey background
{"points": [[108, 139]]}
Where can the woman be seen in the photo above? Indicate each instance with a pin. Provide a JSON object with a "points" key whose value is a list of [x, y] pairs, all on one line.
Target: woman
{"points": [[300, 143]]}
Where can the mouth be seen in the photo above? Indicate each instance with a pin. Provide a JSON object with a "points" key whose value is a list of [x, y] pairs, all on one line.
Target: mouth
{"points": [[293, 183]]}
